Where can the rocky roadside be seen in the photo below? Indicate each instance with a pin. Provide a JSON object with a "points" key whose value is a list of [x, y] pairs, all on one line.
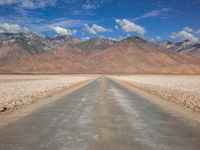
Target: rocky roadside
{"points": [[179, 89], [21, 92]]}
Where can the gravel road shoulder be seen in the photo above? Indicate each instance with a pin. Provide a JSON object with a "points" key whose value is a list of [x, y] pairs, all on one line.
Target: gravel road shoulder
{"points": [[192, 117], [23, 110]]}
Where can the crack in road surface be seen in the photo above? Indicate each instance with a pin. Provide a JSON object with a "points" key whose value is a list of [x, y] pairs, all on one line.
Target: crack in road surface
{"points": [[103, 115]]}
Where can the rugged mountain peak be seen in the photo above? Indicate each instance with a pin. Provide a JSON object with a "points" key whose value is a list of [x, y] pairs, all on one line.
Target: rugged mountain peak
{"points": [[166, 44], [185, 47], [32, 42], [98, 40], [165, 41], [24, 36], [64, 55], [178, 46], [94, 45], [133, 39], [61, 37], [16, 46], [185, 43]]}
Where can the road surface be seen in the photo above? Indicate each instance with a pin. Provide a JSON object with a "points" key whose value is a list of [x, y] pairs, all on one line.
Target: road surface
{"points": [[103, 115]]}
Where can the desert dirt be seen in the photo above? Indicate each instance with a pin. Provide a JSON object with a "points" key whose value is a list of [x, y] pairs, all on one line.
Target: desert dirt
{"points": [[101, 115], [17, 90], [181, 89]]}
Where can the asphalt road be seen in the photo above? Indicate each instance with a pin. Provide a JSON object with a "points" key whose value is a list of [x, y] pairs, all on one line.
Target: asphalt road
{"points": [[103, 115]]}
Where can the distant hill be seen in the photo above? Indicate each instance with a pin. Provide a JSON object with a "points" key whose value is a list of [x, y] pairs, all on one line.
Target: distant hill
{"points": [[94, 45], [136, 55], [15, 46], [62, 60], [32, 53], [185, 47]]}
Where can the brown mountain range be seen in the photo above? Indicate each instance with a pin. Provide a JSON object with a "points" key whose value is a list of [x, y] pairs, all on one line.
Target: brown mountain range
{"points": [[189, 47], [131, 55]]}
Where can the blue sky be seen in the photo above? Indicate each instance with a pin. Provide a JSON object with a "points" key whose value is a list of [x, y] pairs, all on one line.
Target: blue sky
{"points": [[115, 19]]}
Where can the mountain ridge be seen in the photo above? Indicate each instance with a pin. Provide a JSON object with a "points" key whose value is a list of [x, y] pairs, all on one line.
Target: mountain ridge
{"points": [[184, 47], [131, 55]]}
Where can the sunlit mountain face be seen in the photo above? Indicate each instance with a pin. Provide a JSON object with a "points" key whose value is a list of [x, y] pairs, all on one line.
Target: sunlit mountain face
{"points": [[153, 20]]}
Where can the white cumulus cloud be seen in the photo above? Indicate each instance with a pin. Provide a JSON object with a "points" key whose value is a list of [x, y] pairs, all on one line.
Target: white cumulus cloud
{"points": [[129, 26], [63, 31], [12, 28], [94, 29], [185, 34], [188, 29]]}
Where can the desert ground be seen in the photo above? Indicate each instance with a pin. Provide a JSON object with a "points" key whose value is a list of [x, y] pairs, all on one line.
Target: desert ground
{"points": [[103, 114], [181, 89], [17, 90]]}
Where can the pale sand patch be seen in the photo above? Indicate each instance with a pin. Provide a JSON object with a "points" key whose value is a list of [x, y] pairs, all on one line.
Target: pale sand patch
{"points": [[186, 114], [21, 111], [181, 89], [16, 90]]}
